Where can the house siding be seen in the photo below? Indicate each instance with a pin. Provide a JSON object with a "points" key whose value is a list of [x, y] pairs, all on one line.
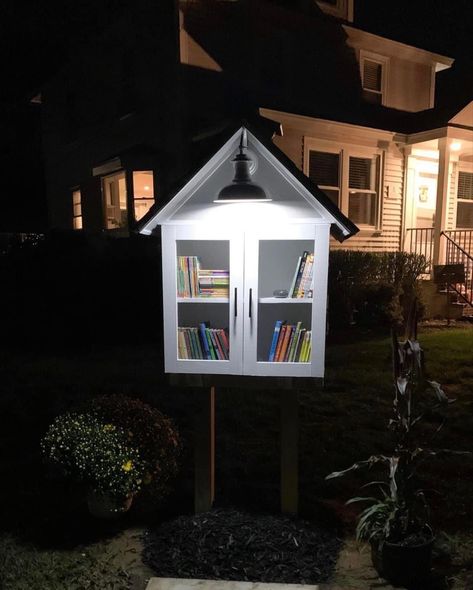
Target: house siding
{"points": [[388, 237]]}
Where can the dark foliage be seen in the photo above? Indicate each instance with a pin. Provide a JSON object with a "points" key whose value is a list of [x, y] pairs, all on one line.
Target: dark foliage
{"points": [[72, 289], [372, 289], [232, 545], [149, 431]]}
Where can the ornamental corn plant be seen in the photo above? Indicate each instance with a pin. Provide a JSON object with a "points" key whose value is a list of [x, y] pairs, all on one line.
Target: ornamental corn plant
{"points": [[93, 452], [400, 514]]}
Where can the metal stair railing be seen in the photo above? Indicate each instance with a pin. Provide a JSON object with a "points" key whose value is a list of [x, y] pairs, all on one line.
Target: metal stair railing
{"points": [[462, 237], [420, 240], [455, 254]]}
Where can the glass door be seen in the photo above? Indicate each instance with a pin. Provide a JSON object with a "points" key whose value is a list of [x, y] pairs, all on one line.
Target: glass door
{"points": [[280, 269], [206, 275]]}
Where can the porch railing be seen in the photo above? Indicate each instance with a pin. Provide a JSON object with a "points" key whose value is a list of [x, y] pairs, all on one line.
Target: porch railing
{"points": [[456, 254], [420, 241], [462, 237]]}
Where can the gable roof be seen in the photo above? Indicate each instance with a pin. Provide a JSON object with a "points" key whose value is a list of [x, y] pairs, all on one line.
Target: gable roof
{"points": [[315, 203]]}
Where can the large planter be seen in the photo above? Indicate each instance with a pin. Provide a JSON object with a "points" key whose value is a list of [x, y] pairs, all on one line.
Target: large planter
{"points": [[106, 506], [403, 564]]}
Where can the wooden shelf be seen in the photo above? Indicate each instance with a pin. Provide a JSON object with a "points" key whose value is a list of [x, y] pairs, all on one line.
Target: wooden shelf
{"points": [[203, 299], [289, 300]]}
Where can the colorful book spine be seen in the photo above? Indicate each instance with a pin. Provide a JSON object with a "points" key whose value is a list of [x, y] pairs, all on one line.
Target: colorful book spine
{"points": [[282, 333], [294, 278], [300, 273], [274, 341], [202, 343], [306, 280], [205, 344], [293, 342], [285, 344], [290, 344]]}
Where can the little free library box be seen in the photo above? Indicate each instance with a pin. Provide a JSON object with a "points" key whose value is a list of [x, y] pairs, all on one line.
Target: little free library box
{"points": [[245, 246]]}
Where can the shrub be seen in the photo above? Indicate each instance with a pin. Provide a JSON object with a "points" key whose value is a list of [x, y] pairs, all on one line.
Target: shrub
{"points": [[96, 453], [373, 288], [150, 431]]}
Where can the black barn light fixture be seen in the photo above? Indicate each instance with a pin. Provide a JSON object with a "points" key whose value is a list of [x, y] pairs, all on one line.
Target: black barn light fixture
{"points": [[242, 189]]}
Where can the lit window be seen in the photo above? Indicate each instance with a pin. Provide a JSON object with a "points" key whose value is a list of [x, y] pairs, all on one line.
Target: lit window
{"points": [[362, 190], [351, 180], [115, 201], [143, 193], [465, 200], [372, 76], [76, 209]]}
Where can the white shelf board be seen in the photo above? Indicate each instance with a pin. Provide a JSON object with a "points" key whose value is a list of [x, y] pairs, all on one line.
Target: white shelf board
{"points": [[284, 300], [202, 299], [297, 363]]}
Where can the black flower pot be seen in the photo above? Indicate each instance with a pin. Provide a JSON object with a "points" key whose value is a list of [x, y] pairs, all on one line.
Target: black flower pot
{"points": [[403, 564]]}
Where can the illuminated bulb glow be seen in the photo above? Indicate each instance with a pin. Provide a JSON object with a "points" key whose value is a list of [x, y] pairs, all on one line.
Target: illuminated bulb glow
{"points": [[241, 201], [455, 146]]}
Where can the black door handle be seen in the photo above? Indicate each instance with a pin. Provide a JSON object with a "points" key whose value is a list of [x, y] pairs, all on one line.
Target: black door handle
{"points": [[235, 302], [251, 303]]}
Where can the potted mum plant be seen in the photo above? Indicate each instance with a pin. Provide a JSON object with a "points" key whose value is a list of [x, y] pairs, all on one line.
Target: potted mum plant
{"points": [[396, 522], [100, 456]]}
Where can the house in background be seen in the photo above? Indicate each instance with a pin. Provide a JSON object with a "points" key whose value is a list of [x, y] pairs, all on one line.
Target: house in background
{"points": [[135, 110]]}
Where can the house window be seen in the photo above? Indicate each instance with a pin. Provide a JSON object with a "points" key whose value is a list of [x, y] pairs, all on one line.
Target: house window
{"points": [[465, 200], [363, 181], [324, 170], [372, 80], [143, 193], [351, 180], [115, 201], [76, 209]]}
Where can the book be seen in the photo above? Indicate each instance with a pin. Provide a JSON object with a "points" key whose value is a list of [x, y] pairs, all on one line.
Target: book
{"points": [[297, 356], [218, 345], [294, 278], [197, 346], [187, 343], [219, 335], [226, 343], [285, 344], [181, 344], [274, 341], [293, 342], [213, 355], [299, 274], [306, 280], [282, 331], [203, 338], [306, 347]]}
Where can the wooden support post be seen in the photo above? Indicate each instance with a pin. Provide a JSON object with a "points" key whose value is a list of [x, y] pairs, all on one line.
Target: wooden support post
{"points": [[289, 404], [204, 452]]}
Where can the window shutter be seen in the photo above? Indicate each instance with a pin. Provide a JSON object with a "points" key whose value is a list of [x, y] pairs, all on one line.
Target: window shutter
{"points": [[324, 168], [360, 173], [465, 185], [372, 74]]}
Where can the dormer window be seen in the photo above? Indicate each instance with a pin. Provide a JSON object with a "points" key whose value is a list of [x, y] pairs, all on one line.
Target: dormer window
{"points": [[373, 77]]}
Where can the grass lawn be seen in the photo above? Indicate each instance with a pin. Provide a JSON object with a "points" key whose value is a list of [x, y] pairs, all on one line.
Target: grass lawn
{"points": [[47, 540]]}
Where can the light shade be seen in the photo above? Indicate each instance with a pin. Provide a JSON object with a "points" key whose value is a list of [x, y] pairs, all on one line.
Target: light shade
{"points": [[242, 189]]}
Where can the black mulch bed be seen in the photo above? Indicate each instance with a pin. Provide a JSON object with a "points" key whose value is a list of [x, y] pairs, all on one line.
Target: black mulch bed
{"points": [[232, 545]]}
